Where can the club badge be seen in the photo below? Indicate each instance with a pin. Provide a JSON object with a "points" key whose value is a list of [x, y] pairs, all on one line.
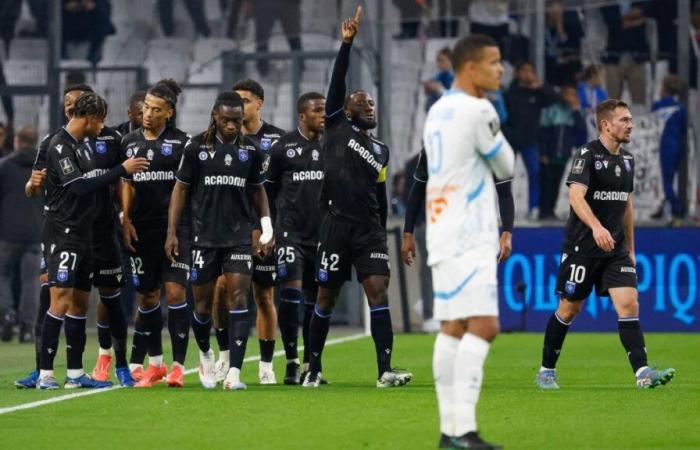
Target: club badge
{"points": [[135, 280], [322, 275], [101, 147], [265, 144], [166, 149], [62, 275], [570, 287], [628, 166], [194, 275], [376, 148], [282, 270], [242, 154]]}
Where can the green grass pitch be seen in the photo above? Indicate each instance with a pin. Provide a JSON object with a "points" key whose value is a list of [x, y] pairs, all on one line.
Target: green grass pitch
{"points": [[597, 408]]}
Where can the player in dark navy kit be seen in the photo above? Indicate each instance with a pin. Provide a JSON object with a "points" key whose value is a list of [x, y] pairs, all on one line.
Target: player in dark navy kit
{"points": [[416, 201], [134, 113], [34, 186], [145, 198], [353, 227], [598, 246], [263, 135], [294, 175], [217, 169], [72, 183]]}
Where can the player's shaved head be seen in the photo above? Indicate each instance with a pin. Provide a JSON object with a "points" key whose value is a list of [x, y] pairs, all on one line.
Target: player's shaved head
{"points": [[360, 109], [470, 48]]}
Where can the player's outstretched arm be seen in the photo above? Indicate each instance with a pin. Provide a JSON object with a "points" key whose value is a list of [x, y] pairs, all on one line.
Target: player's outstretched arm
{"points": [[177, 205], [577, 198], [629, 229], [337, 89], [84, 186]]}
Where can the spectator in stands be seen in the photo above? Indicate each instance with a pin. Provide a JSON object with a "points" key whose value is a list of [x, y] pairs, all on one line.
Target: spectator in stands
{"points": [[40, 11], [410, 12], [673, 118], [266, 13], [398, 194], [195, 8], [87, 21], [9, 13], [490, 17], [627, 50], [6, 138], [590, 89], [665, 13], [19, 233], [496, 98], [562, 131], [442, 80], [525, 99], [7, 102], [563, 35], [449, 12]]}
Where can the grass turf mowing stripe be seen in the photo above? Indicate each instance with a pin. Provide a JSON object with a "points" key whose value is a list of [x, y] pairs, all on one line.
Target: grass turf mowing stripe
{"points": [[61, 398]]}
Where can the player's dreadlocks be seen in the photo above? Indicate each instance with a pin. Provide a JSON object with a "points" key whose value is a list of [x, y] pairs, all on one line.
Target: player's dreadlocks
{"points": [[90, 104], [230, 99], [168, 90]]}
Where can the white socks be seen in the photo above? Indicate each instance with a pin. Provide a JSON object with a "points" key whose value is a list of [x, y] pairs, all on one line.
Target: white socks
{"points": [[155, 360], [104, 352], [444, 358], [469, 372]]}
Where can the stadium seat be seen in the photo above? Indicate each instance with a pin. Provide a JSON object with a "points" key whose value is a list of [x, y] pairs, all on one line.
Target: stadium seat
{"points": [[206, 50], [33, 49]]}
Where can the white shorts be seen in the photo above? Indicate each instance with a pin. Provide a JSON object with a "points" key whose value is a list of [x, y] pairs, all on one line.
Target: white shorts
{"points": [[465, 285]]}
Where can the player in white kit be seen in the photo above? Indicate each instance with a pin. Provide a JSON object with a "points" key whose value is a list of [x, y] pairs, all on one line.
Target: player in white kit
{"points": [[465, 150]]}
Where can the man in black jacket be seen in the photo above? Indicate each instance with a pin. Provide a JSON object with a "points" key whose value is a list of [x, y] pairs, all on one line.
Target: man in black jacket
{"points": [[19, 235]]}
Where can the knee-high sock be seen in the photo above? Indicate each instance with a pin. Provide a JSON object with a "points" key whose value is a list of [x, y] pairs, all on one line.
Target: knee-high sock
{"points": [[179, 329], [50, 332], [318, 332], [104, 336], [444, 358], [117, 325], [632, 339], [74, 328], [138, 343], [469, 373], [44, 301], [152, 321], [554, 337], [201, 327], [222, 338], [238, 330], [289, 321], [308, 313], [383, 336]]}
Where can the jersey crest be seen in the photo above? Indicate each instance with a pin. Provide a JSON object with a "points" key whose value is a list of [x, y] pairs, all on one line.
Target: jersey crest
{"points": [[166, 149]]}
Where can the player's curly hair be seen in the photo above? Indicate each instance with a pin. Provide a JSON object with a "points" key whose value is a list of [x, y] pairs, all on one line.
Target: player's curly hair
{"points": [[168, 90], [89, 104], [231, 99]]}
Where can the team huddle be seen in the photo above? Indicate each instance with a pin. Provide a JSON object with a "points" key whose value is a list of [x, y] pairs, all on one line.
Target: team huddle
{"points": [[244, 206], [197, 212]]}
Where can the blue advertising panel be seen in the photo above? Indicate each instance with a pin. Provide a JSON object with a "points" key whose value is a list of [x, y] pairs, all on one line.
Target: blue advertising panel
{"points": [[668, 271]]}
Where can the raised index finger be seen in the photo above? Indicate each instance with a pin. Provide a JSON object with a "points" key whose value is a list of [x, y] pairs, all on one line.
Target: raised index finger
{"points": [[358, 14]]}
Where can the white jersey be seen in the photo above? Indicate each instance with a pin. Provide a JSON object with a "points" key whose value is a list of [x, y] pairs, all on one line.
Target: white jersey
{"points": [[463, 141]]}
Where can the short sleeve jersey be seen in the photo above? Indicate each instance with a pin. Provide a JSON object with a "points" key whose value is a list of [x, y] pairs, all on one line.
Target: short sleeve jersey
{"points": [[610, 182], [155, 185], [217, 178], [105, 149], [67, 160], [266, 136], [295, 167], [354, 163], [461, 133]]}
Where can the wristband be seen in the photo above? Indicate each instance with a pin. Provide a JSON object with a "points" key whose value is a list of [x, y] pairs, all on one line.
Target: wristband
{"points": [[267, 232]]}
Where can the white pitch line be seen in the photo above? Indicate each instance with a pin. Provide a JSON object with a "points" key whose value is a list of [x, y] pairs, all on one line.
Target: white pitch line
{"points": [[61, 398]]}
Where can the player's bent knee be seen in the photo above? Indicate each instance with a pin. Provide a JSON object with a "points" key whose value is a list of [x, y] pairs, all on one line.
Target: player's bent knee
{"points": [[148, 300]]}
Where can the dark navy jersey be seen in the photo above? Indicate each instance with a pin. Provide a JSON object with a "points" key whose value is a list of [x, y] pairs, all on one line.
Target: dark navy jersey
{"points": [[354, 164], [105, 150], [217, 179], [68, 160], [294, 172], [155, 185], [40, 160], [610, 182], [265, 137], [125, 128]]}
